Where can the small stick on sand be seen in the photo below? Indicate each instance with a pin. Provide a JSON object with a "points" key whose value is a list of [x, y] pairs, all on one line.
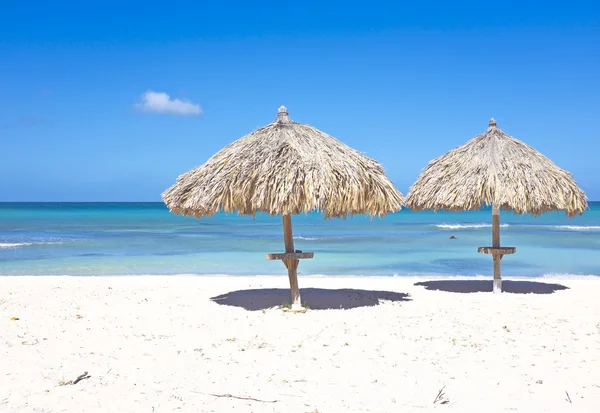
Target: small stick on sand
{"points": [[83, 376], [568, 397], [441, 397], [231, 396]]}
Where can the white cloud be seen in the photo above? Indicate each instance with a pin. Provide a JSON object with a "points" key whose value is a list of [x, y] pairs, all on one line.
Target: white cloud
{"points": [[160, 102]]}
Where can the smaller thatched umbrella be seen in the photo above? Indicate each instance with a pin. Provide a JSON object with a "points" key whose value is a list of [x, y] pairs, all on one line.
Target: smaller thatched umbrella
{"points": [[498, 170], [286, 168]]}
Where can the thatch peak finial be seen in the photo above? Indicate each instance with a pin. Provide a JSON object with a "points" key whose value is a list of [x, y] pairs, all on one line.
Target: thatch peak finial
{"points": [[492, 122], [282, 115]]}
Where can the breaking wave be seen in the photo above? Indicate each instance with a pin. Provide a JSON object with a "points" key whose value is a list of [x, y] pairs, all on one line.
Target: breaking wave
{"points": [[550, 227], [24, 244], [466, 226], [576, 227]]}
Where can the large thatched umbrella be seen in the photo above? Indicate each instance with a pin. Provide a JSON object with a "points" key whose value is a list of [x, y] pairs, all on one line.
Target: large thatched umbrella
{"points": [[498, 170], [285, 168]]}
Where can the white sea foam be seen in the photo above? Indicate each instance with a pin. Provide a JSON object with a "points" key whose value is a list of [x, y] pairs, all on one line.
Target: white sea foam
{"points": [[567, 276], [576, 227], [24, 244], [551, 227], [14, 245], [307, 238], [466, 226]]}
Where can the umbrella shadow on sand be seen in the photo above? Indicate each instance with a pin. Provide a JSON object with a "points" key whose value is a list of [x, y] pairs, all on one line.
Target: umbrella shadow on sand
{"points": [[315, 298], [484, 286]]}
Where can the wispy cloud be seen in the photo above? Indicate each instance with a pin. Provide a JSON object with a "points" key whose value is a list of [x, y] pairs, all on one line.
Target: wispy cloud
{"points": [[160, 102], [22, 122]]}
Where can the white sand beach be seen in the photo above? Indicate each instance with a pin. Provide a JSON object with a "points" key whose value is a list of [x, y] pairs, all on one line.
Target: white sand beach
{"points": [[163, 344]]}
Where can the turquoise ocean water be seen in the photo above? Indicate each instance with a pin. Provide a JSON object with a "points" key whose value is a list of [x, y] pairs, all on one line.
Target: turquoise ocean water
{"points": [[145, 238]]}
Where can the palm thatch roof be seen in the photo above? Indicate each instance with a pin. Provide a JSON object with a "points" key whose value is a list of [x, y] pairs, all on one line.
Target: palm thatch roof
{"points": [[496, 169], [285, 168]]}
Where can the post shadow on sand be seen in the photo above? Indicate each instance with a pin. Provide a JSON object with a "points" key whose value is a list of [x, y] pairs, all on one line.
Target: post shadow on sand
{"points": [[315, 298], [485, 286]]}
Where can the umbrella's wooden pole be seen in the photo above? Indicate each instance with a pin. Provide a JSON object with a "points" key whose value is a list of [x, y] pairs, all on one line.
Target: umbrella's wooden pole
{"points": [[291, 264], [496, 244]]}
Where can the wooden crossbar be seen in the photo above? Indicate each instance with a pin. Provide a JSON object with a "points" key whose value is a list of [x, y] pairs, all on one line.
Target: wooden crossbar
{"points": [[290, 256], [497, 250]]}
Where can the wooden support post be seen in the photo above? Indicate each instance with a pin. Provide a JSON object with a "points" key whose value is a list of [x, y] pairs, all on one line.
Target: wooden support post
{"points": [[496, 244], [291, 264]]}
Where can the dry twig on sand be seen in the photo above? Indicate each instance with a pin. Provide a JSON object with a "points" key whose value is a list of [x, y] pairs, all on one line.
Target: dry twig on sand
{"points": [[231, 396], [441, 397], [81, 377], [77, 380], [568, 398]]}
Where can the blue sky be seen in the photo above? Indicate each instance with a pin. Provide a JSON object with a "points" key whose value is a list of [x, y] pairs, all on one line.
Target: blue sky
{"points": [[403, 82]]}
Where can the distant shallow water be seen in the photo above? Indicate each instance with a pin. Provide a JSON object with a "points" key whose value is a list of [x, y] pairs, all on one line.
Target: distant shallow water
{"points": [[145, 238]]}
